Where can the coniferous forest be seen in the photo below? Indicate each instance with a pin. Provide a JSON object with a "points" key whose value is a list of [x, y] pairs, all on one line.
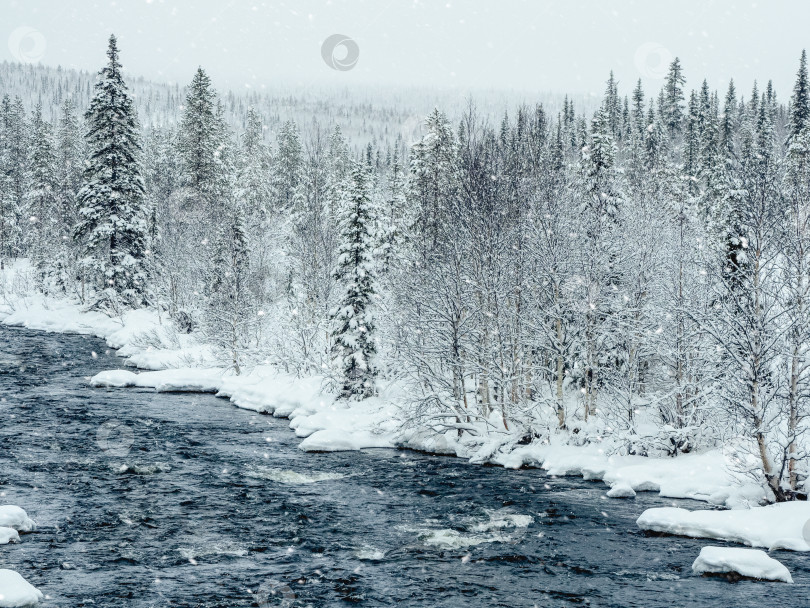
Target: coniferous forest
{"points": [[639, 272]]}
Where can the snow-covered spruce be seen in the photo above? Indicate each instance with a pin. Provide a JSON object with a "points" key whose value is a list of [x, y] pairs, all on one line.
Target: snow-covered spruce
{"points": [[111, 229]]}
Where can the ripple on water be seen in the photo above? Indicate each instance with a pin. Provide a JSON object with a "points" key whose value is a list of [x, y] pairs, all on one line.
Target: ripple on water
{"points": [[500, 526], [291, 477]]}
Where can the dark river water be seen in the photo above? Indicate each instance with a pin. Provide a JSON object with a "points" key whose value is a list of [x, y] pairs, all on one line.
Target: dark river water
{"points": [[145, 499]]}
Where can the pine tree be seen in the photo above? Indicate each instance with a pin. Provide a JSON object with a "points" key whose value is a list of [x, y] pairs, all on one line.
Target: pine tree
{"points": [[672, 108], [353, 334], [69, 166], [41, 196], [253, 175], [289, 167], [14, 170], [230, 314], [612, 106], [728, 121], [112, 214], [202, 141], [800, 101], [638, 109]]}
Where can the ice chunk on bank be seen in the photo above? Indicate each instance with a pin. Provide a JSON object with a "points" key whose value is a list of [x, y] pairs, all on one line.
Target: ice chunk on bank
{"points": [[12, 516], [168, 380], [8, 535], [119, 378], [15, 591], [779, 526], [751, 563], [621, 490]]}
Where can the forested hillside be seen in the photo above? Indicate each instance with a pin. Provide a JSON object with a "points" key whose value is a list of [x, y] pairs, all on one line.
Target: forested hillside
{"points": [[639, 272]]}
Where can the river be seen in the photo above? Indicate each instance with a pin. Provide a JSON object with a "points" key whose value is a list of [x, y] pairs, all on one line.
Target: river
{"points": [[153, 500]]}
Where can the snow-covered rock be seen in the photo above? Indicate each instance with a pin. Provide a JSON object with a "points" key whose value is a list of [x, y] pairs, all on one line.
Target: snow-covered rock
{"points": [[751, 563], [778, 526], [119, 378], [16, 592], [8, 535], [621, 489], [12, 516]]}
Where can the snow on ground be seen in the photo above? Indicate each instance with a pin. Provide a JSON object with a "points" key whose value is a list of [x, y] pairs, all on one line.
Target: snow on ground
{"points": [[12, 516], [751, 563], [16, 591], [777, 526]]}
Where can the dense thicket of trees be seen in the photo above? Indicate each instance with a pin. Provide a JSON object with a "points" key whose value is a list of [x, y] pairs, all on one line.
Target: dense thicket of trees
{"points": [[640, 273]]}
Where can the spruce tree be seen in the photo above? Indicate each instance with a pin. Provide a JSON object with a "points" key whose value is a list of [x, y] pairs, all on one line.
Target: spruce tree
{"points": [[253, 176], [41, 196], [728, 122], [202, 145], [230, 314], [289, 167], [112, 214], [672, 108], [800, 101], [353, 322], [638, 109], [14, 178]]}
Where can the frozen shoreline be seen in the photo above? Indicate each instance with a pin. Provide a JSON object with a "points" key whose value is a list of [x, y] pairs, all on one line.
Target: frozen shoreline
{"points": [[326, 425]]}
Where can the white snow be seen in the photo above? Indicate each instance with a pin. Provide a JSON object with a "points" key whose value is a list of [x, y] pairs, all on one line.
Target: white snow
{"points": [[168, 380], [15, 591], [751, 563], [12, 516], [778, 526], [621, 489], [8, 535]]}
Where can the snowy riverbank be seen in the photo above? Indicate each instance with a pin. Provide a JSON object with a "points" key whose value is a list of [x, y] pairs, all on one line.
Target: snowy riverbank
{"points": [[180, 364], [177, 363]]}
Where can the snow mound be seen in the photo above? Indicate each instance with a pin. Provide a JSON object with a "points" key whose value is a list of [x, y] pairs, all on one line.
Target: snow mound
{"points": [[621, 490], [15, 591], [751, 563], [168, 380], [8, 535], [114, 378], [12, 516], [778, 526]]}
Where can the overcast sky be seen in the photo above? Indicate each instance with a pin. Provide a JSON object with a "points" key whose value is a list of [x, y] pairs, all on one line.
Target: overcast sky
{"points": [[556, 46]]}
